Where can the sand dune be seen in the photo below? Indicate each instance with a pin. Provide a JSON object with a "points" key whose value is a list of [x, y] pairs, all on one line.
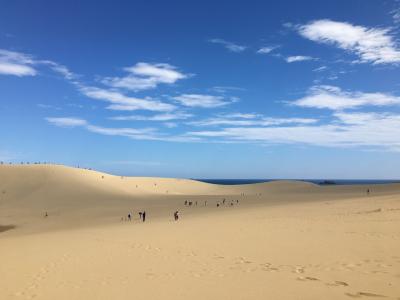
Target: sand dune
{"points": [[279, 240]]}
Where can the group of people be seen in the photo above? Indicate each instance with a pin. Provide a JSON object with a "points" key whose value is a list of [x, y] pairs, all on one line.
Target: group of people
{"points": [[223, 202], [190, 203], [142, 216]]}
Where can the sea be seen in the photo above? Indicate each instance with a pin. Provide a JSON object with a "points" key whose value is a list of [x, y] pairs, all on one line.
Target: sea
{"points": [[316, 181]]}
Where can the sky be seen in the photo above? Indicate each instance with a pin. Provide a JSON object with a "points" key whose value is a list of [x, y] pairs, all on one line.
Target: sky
{"points": [[203, 89]]}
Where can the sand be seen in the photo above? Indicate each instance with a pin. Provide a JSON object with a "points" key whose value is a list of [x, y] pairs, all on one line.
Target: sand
{"points": [[283, 240]]}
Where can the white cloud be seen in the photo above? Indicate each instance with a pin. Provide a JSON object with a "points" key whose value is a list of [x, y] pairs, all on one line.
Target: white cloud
{"points": [[297, 58], [150, 134], [198, 100], [15, 63], [170, 124], [226, 89], [240, 115], [67, 122], [331, 97], [396, 13], [253, 121], [120, 101], [143, 76], [63, 70], [229, 45], [267, 49], [320, 69], [158, 117], [349, 130], [143, 133], [374, 45]]}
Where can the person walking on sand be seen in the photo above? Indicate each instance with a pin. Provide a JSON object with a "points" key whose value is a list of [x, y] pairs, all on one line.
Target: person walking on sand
{"points": [[176, 215], [129, 217], [140, 215], [144, 216]]}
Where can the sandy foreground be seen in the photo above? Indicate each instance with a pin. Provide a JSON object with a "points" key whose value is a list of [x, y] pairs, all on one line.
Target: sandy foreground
{"points": [[279, 240]]}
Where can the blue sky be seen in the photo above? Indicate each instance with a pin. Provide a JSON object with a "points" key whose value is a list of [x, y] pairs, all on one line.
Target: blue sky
{"points": [[233, 89]]}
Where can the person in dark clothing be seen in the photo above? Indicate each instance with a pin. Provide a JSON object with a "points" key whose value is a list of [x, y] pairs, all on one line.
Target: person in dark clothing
{"points": [[140, 215], [176, 215], [185, 202], [144, 216], [129, 217]]}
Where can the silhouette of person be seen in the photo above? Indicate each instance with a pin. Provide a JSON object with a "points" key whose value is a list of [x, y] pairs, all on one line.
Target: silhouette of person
{"points": [[144, 216], [129, 216], [176, 215], [140, 215]]}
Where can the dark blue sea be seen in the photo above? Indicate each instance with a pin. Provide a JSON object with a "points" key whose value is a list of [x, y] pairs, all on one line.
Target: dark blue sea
{"points": [[316, 181]]}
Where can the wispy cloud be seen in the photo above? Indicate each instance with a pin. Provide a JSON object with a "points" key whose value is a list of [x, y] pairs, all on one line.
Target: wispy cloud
{"points": [[349, 130], [149, 134], [396, 13], [47, 106], [320, 69], [226, 89], [229, 45], [144, 76], [249, 120], [16, 63], [297, 58], [373, 45], [67, 122], [331, 97], [120, 101], [159, 117], [199, 100], [267, 49]]}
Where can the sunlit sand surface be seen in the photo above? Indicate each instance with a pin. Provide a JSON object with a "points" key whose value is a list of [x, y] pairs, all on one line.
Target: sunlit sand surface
{"points": [[277, 240]]}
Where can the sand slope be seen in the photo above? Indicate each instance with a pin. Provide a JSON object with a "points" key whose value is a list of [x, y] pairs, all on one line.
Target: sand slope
{"points": [[283, 240]]}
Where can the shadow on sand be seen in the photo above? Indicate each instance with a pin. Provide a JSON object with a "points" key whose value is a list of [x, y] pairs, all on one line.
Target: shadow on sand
{"points": [[6, 227]]}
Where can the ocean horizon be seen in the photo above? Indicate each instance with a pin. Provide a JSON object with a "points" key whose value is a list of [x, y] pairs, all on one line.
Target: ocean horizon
{"points": [[316, 181]]}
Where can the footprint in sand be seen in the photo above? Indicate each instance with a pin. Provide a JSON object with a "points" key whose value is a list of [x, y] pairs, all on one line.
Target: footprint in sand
{"points": [[242, 260], [338, 283], [299, 270], [365, 294], [268, 267], [307, 278]]}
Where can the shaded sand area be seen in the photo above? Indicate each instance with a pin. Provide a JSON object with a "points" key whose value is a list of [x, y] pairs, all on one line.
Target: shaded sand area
{"points": [[279, 240]]}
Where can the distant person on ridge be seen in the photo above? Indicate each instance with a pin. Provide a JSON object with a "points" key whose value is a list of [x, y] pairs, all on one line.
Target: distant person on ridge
{"points": [[144, 216]]}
